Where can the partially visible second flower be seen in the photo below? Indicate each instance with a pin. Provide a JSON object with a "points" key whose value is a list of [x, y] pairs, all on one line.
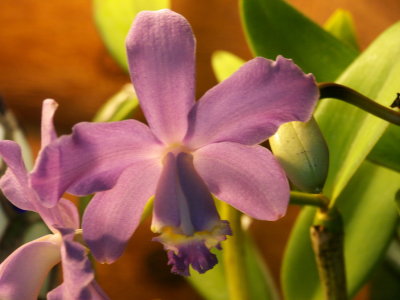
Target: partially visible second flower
{"points": [[22, 274], [190, 150]]}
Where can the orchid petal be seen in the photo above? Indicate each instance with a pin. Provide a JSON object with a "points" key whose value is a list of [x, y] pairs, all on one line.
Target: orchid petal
{"points": [[15, 182], [77, 271], [48, 132], [92, 292], [249, 106], [92, 158], [246, 177], [23, 273], [112, 216], [68, 214], [64, 214], [160, 49]]}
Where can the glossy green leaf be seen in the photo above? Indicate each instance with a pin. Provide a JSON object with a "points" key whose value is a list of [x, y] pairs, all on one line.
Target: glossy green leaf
{"points": [[212, 285], [370, 217], [341, 25], [350, 132], [114, 18], [387, 151], [225, 64], [274, 28]]}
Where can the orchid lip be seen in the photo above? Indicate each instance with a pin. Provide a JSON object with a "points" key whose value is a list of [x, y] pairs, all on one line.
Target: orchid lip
{"points": [[185, 215], [194, 250]]}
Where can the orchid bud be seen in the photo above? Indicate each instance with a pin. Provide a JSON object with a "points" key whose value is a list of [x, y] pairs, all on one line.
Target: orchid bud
{"points": [[303, 153]]}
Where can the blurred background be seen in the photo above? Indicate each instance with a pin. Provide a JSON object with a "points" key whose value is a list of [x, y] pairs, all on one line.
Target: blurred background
{"points": [[51, 49]]}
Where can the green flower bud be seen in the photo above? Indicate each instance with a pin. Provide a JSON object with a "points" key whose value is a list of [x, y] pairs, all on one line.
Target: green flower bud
{"points": [[303, 153]]}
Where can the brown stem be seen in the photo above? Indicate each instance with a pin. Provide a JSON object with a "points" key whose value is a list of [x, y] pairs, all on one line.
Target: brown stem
{"points": [[327, 238], [344, 93]]}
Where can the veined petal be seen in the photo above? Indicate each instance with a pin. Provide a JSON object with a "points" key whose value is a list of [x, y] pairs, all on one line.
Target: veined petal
{"points": [[15, 182], [249, 106], [48, 132], [112, 216], [92, 158], [68, 214], [64, 214], [161, 49], [247, 177], [78, 274], [23, 273]]}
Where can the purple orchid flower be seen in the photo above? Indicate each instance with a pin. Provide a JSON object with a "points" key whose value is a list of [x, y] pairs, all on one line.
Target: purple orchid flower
{"points": [[189, 151], [22, 274]]}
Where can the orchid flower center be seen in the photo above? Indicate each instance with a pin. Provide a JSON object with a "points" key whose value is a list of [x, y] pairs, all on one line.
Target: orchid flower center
{"points": [[175, 149]]}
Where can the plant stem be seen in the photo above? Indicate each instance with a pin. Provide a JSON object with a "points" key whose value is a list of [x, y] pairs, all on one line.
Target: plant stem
{"points": [[327, 238], [344, 93], [234, 254], [300, 198]]}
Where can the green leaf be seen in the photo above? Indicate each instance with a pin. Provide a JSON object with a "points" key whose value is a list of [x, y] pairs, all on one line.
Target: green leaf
{"points": [[274, 28], [370, 217], [119, 107], [387, 151], [212, 284], [114, 18], [225, 64], [350, 132], [341, 25], [261, 282]]}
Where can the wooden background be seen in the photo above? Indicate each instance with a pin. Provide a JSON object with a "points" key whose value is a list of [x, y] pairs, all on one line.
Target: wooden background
{"points": [[51, 49]]}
